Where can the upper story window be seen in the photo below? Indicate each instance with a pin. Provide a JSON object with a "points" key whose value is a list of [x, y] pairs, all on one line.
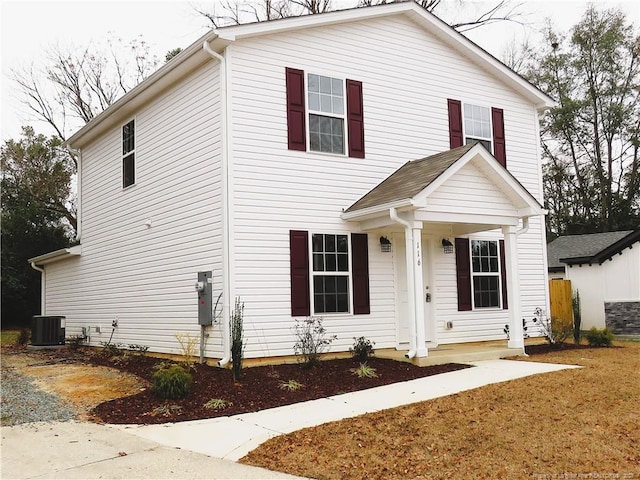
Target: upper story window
{"points": [[485, 271], [128, 154], [326, 114], [477, 126]]}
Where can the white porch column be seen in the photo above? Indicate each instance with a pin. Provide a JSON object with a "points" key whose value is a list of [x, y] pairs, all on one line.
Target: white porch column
{"points": [[516, 333], [411, 301], [418, 290]]}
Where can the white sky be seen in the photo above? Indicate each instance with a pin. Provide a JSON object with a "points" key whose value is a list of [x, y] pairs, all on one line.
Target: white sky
{"points": [[28, 27]]}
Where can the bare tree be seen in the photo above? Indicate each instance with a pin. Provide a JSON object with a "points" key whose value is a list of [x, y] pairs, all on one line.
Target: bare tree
{"points": [[235, 12], [74, 85]]}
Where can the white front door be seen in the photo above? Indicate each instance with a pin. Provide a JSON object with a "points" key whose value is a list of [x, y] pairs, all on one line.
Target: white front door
{"points": [[402, 292]]}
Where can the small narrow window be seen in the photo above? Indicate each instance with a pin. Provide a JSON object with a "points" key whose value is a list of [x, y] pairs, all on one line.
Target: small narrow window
{"points": [[128, 154], [477, 126]]}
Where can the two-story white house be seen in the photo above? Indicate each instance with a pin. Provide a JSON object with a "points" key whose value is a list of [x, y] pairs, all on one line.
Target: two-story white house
{"points": [[369, 166]]}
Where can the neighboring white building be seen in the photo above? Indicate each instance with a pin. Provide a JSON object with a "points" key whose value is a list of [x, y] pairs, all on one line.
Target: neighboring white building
{"points": [[284, 157], [605, 269]]}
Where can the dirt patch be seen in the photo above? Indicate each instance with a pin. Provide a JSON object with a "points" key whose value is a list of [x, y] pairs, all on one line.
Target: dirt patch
{"points": [[82, 384]]}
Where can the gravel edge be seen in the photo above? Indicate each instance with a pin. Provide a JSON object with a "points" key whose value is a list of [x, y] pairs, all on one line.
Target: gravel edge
{"points": [[23, 402]]}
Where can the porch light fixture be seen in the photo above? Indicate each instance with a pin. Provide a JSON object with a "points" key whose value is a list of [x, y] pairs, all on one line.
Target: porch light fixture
{"points": [[447, 246], [385, 244]]}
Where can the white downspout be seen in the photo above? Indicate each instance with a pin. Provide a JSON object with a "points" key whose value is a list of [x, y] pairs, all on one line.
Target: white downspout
{"points": [[408, 235], [43, 287], [78, 153], [226, 235], [525, 227]]}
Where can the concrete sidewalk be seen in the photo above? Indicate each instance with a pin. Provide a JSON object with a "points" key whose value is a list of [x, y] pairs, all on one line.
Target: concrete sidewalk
{"points": [[88, 451], [233, 437], [208, 448]]}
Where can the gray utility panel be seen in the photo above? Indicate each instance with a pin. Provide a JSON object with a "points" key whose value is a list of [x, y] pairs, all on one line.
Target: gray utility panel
{"points": [[205, 293]]}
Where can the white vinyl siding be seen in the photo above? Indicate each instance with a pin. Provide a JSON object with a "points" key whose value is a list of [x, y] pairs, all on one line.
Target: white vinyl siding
{"points": [[405, 90], [144, 275]]}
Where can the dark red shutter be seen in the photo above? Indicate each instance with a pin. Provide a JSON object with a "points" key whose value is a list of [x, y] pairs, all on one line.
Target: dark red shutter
{"points": [[360, 273], [503, 276], [299, 260], [455, 123], [499, 147], [297, 134], [355, 119], [463, 274]]}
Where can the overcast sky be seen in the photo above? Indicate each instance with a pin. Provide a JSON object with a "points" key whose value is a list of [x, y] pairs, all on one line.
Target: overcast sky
{"points": [[29, 27]]}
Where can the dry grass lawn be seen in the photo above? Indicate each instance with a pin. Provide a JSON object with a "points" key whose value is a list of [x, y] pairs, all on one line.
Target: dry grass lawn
{"points": [[576, 423]]}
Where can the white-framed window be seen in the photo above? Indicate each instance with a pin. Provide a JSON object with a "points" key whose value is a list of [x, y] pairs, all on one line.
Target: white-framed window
{"points": [[485, 274], [331, 273], [128, 154], [477, 126], [326, 105]]}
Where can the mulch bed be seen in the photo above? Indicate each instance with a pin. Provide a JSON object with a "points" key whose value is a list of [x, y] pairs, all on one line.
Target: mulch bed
{"points": [[543, 348], [259, 388]]}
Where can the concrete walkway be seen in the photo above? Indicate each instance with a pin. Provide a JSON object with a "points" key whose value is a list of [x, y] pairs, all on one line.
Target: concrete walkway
{"points": [[208, 448], [233, 437]]}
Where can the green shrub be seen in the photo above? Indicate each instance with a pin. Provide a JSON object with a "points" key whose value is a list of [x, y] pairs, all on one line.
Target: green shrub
{"points": [[217, 404], [172, 381], [577, 317], [362, 349], [290, 385], [599, 338], [364, 371], [311, 341], [237, 339]]}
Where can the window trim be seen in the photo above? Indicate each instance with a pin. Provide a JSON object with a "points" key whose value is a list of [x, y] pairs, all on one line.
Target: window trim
{"points": [[309, 112], [348, 274], [497, 274], [490, 138], [128, 154]]}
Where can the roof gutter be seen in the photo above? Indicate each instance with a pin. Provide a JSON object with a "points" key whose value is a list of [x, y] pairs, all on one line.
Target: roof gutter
{"points": [[226, 230]]}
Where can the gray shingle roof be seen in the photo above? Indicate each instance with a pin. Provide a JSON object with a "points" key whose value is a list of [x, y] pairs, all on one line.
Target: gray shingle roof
{"points": [[580, 246], [410, 179]]}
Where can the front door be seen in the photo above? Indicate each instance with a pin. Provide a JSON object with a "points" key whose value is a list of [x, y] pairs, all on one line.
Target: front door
{"points": [[402, 292]]}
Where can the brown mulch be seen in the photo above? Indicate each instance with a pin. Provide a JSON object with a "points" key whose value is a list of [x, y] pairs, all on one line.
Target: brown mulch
{"points": [[260, 387]]}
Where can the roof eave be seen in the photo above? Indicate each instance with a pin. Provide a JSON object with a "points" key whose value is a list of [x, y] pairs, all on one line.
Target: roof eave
{"points": [[169, 73], [439, 28], [56, 255]]}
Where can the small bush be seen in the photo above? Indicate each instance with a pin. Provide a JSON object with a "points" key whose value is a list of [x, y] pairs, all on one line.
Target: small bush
{"points": [[237, 340], [599, 338], [577, 317], [290, 385], [362, 349], [112, 349], [74, 341], [172, 382], [217, 404], [554, 330], [364, 371], [311, 341], [166, 410], [140, 349], [23, 337]]}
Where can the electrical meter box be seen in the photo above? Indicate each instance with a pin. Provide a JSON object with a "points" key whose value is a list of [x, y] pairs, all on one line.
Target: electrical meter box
{"points": [[204, 287]]}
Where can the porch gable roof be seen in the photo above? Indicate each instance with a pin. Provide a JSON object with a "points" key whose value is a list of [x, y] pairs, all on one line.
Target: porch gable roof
{"points": [[412, 183]]}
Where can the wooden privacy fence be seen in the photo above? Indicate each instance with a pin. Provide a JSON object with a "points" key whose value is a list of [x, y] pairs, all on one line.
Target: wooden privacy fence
{"points": [[560, 294]]}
